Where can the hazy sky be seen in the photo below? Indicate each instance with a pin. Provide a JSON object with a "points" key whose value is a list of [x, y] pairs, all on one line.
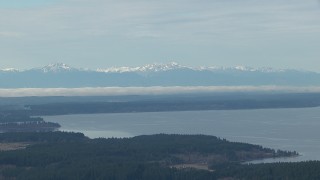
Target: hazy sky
{"points": [[103, 33]]}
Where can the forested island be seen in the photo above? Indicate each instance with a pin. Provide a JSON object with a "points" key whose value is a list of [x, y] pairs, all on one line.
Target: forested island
{"points": [[61, 155], [15, 122]]}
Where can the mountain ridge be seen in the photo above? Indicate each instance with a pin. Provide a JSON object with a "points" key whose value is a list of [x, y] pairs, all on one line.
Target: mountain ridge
{"points": [[155, 67], [60, 75]]}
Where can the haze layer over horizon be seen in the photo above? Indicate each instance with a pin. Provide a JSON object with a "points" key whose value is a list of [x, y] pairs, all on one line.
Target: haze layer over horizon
{"points": [[158, 90]]}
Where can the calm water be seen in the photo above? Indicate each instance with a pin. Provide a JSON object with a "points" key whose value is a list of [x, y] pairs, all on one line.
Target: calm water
{"points": [[286, 129]]}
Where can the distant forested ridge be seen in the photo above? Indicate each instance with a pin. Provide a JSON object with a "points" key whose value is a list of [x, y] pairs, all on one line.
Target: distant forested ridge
{"points": [[39, 106]]}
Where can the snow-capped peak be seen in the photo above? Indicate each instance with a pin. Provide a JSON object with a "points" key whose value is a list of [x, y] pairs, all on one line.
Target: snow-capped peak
{"points": [[239, 69], [56, 67], [10, 70], [160, 67], [244, 68], [156, 67]]}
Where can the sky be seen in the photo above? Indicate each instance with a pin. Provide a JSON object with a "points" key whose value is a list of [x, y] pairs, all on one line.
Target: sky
{"points": [[104, 33]]}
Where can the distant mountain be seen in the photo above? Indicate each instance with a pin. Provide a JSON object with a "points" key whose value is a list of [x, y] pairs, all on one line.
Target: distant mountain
{"points": [[55, 68], [172, 74]]}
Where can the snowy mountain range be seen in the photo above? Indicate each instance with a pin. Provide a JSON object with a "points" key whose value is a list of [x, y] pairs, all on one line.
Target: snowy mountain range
{"points": [[171, 74], [156, 67]]}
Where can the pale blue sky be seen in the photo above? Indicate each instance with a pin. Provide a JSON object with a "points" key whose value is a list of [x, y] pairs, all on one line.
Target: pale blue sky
{"points": [[104, 33], [26, 4]]}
